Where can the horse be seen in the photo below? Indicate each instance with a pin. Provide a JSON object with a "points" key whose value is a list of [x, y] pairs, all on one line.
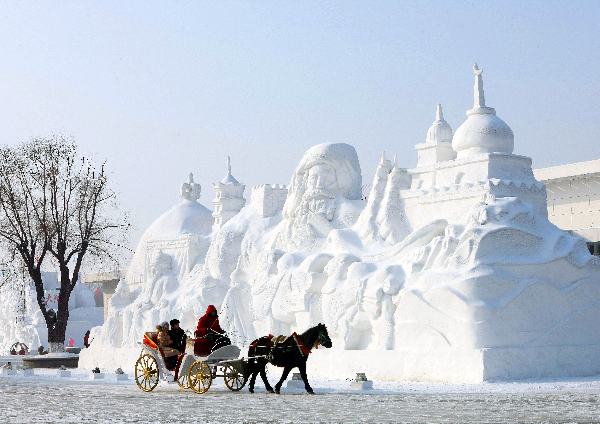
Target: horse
{"points": [[292, 353]]}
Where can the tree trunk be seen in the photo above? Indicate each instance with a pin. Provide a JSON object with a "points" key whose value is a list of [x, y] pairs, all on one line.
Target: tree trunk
{"points": [[56, 337], [56, 347]]}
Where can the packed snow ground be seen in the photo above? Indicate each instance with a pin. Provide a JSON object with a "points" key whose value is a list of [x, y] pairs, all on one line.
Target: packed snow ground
{"points": [[46, 398]]}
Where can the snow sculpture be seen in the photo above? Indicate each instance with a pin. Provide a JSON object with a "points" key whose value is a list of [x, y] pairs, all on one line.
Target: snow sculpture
{"points": [[23, 320], [190, 190], [438, 145], [166, 254], [450, 271], [267, 200], [326, 178], [181, 231], [483, 132], [383, 218], [229, 198]]}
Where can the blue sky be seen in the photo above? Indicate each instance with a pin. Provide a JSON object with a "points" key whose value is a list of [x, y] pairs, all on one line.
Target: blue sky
{"points": [[160, 90]]}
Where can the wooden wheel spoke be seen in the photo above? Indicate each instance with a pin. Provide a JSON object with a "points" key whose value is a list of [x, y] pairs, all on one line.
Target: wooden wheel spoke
{"points": [[146, 373], [200, 377], [233, 379]]}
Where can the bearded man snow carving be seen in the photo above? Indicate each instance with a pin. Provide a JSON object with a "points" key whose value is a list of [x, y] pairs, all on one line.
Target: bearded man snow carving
{"points": [[327, 177]]}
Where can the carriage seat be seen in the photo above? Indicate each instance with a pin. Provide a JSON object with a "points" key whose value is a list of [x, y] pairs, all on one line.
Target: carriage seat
{"points": [[151, 340]]}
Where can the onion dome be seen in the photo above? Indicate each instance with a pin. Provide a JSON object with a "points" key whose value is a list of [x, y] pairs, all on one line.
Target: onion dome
{"points": [[483, 131], [440, 130]]}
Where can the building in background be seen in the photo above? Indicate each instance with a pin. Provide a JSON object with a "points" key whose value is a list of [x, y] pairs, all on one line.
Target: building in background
{"points": [[574, 199]]}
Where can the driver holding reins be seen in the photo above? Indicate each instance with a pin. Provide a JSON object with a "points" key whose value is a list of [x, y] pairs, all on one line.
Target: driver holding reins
{"points": [[209, 333]]}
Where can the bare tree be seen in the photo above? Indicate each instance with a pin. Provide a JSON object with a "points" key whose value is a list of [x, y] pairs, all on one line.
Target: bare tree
{"points": [[54, 204]]}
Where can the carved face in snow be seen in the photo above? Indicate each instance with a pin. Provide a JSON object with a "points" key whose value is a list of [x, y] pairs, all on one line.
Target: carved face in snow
{"points": [[321, 191], [326, 171], [321, 177], [327, 175]]}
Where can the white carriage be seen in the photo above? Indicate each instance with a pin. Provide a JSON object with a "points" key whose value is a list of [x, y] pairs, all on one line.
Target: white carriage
{"points": [[192, 372]]}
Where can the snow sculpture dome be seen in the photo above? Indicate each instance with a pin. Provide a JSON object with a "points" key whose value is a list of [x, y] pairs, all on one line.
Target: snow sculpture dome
{"points": [[187, 217], [483, 131], [440, 130]]}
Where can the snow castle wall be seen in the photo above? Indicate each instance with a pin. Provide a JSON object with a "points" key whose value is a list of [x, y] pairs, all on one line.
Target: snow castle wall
{"points": [[267, 200]]}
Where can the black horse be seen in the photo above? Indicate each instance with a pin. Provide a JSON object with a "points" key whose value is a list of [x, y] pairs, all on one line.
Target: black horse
{"points": [[292, 353]]}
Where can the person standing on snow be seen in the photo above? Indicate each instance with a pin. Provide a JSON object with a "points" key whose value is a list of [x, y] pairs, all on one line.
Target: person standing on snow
{"points": [[86, 339]]}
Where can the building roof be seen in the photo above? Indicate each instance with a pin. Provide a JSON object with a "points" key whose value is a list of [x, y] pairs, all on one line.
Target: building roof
{"points": [[569, 171]]}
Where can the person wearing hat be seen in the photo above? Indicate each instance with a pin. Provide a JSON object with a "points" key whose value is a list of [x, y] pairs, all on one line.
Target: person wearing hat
{"points": [[209, 334], [177, 335]]}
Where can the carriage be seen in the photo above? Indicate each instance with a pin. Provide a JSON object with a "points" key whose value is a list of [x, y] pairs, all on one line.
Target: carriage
{"points": [[192, 371]]}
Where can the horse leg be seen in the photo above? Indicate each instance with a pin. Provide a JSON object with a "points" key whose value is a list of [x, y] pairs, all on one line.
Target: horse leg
{"points": [[302, 368], [263, 375], [252, 381], [284, 376]]}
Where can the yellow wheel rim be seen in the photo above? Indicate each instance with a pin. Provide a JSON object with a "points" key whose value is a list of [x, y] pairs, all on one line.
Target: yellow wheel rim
{"points": [[184, 381], [146, 373], [200, 377], [234, 380]]}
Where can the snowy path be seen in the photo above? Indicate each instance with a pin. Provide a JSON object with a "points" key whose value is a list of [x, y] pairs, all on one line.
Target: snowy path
{"points": [[47, 399]]}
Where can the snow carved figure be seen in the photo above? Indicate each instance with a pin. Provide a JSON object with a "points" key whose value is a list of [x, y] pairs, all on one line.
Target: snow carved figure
{"points": [[327, 177], [324, 195], [190, 190]]}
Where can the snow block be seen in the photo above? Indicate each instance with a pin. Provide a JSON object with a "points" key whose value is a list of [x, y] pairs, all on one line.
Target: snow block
{"points": [[295, 384], [28, 372], [6, 371], [97, 376], [361, 385], [63, 373], [122, 377]]}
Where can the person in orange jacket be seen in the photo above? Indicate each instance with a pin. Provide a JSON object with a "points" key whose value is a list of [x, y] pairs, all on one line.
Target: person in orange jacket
{"points": [[209, 333]]}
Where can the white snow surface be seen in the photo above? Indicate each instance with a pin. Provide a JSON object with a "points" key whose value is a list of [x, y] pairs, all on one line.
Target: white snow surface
{"points": [[79, 399]]}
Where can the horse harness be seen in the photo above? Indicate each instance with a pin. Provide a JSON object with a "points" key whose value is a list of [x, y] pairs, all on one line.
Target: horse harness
{"points": [[302, 348]]}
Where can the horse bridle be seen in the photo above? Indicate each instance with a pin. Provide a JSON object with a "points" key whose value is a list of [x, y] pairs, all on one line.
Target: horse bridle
{"points": [[323, 336]]}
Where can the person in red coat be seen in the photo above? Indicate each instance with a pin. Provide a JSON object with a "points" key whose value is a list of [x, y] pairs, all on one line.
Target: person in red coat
{"points": [[209, 333]]}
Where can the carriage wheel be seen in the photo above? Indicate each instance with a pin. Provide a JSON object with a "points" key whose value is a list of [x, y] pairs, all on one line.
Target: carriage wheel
{"points": [[234, 380], [146, 373], [199, 377], [184, 381]]}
